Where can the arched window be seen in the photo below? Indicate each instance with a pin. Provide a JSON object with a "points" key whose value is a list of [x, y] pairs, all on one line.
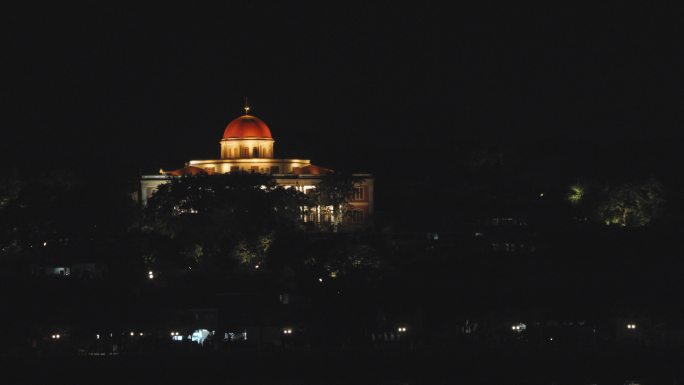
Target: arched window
{"points": [[255, 152]]}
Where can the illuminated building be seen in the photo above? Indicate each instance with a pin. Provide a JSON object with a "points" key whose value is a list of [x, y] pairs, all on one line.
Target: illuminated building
{"points": [[247, 146]]}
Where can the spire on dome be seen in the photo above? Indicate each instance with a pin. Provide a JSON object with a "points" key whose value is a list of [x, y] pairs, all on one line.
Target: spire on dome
{"points": [[246, 107]]}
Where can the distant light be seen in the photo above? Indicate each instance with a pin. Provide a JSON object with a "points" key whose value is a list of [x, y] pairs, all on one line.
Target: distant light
{"points": [[257, 266], [97, 336], [320, 279], [631, 326], [287, 331], [199, 336], [132, 334], [44, 244], [57, 336], [551, 339], [519, 327], [401, 329], [541, 195], [141, 334]]}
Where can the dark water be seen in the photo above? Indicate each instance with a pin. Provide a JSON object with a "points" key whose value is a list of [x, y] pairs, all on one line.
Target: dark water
{"points": [[427, 366]]}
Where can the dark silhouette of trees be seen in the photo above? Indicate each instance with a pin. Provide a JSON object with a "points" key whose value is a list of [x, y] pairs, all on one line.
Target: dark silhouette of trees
{"points": [[220, 220], [59, 218]]}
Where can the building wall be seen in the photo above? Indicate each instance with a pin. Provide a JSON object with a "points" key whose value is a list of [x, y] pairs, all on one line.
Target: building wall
{"points": [[260, 165], [149, 185]]}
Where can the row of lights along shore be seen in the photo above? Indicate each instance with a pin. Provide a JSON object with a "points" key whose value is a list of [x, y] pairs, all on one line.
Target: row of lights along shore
{"points": [[401, 329]]}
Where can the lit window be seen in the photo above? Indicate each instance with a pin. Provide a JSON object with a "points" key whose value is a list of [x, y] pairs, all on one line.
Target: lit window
{"points": [[358, 193]]}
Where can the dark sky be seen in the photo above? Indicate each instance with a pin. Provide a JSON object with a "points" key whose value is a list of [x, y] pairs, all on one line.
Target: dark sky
{"points": [[382, 88]]}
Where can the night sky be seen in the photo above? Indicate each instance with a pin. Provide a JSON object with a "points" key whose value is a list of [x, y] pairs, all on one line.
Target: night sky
{"points": [[402, 92]]}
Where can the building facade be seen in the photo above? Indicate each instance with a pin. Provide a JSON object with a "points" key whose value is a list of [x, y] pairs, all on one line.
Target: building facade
{"points": [[248, 146]]}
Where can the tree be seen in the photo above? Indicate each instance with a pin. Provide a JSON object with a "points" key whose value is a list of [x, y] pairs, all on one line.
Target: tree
{"points": [[224, 219], [632, 204], [60, 217], [333, 194], [576, 194]]}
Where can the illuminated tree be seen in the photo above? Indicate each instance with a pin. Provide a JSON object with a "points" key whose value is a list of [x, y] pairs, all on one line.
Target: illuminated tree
{"points": [[576, 194], [632, 204], [333, 194]]}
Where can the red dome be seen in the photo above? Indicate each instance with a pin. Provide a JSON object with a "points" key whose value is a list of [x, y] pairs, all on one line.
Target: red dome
{"points": [[247, 126]]}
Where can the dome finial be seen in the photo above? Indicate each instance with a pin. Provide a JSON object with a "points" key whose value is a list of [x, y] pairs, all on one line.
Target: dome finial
{"points": [[246, 107]]}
